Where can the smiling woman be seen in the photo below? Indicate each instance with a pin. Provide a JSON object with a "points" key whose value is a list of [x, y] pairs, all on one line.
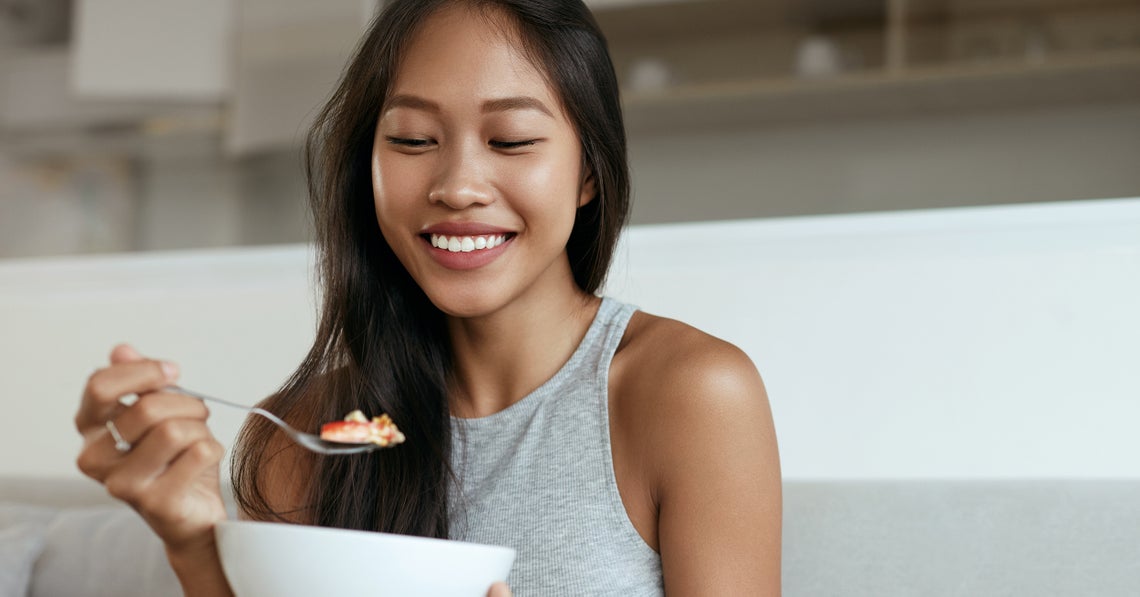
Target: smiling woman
{"points": [[469, 184]]}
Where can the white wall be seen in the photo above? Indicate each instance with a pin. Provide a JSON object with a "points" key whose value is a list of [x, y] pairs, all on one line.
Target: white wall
{"points": [[237, 322], [977, 342]]}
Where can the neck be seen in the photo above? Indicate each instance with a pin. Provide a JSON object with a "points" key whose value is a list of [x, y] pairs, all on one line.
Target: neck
{"points": [[501, 357]]}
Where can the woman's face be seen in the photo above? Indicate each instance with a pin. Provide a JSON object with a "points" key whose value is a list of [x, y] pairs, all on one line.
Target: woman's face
{"points": [[476, 170]]}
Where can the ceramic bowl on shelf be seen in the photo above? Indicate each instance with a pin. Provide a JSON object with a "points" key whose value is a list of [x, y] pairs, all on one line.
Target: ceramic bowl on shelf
{"points": [[649, 74], [265, 559], [818, 57]]}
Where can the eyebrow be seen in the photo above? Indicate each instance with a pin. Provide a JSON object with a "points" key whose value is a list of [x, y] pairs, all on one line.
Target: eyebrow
{"points": [[412, 102], [521, 102]]}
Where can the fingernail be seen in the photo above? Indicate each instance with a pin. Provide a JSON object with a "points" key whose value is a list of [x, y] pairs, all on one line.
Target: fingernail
{"points": [[170, 370]]}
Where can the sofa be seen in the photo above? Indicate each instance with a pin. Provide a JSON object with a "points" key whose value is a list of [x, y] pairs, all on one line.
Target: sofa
{"points": [[66, 538]]}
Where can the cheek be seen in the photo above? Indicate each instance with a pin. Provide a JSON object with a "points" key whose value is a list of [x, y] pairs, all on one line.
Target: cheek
{"points": [[391, 198], [395, 188], [548, 188]]}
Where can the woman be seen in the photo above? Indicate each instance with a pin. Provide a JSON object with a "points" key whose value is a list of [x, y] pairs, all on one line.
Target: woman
{"points": [[469, 183]]}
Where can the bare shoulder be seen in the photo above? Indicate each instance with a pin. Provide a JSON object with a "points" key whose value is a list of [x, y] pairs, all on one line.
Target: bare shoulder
{"points": [[272, 482], [281, 484], [670, 380], [664, 363]]}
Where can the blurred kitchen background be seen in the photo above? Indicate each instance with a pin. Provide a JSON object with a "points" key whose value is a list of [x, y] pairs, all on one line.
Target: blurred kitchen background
{"points": [[138, 125]]}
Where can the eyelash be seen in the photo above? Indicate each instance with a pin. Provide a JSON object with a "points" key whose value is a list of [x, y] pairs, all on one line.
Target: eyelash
{"points": [[417, 143], [422, 143], [512, 144]]}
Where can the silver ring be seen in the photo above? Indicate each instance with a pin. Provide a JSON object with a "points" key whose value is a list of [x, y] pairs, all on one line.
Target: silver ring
{"points": [[121, 444]]}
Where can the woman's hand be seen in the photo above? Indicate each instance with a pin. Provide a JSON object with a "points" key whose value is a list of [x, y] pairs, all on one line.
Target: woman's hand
{"points": [[499, 589], [169, 474]]}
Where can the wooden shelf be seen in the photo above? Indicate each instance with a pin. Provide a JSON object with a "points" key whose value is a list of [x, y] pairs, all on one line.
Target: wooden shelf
{"points": [[1012, 8], [1099, 78], [733, 62]]}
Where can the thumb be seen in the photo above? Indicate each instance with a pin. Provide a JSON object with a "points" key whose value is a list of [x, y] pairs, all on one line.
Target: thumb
{"points": [[125, 353], [499, 589]]}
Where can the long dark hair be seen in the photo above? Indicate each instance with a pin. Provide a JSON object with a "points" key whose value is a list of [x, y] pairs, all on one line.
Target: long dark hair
{"points": [[381, 345]]}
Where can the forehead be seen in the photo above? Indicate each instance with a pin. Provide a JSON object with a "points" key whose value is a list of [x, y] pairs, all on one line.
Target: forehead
{"points": [[461, 53]]}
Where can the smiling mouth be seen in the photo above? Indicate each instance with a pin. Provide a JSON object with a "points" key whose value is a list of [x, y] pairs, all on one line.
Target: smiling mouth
{"points": [[467, 244]]}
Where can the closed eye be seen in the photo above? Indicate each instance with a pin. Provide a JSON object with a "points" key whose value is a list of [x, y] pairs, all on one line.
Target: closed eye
{"points": [[512, 144], [405, 142]]}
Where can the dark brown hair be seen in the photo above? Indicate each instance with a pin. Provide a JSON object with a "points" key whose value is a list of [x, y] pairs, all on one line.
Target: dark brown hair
{"points": [[381, 345]]}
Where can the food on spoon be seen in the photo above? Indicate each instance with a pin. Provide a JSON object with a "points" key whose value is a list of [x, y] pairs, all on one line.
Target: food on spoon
{"points": [[357, 429]]}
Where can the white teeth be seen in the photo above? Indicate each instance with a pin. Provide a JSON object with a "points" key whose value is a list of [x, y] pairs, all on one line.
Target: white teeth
{"points": [[466, 244]]}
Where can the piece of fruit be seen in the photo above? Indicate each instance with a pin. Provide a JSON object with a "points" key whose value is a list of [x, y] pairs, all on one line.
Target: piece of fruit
{"points": [[357, 429]]}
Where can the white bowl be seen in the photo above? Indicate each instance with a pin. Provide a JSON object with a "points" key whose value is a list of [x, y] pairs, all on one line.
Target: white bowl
{"points": [[266, 559]]}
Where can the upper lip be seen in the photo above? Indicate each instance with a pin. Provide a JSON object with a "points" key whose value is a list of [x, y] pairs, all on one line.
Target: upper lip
{"points": [[464, 229]]}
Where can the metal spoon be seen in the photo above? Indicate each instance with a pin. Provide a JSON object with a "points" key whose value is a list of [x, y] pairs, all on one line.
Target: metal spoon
{"points": [[306, 440]]}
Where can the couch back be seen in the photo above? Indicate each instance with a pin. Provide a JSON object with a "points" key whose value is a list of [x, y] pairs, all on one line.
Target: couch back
{"points": [[841, 538]]}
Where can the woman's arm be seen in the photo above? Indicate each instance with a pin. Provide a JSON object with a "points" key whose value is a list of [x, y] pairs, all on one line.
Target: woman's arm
{"points": [[717, 470]]}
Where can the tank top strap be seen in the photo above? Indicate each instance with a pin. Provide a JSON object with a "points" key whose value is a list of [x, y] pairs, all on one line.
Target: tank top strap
{"points": [[613, 317]]}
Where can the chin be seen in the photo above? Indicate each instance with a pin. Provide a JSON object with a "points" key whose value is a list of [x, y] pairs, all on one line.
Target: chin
{"points": [[467, 304]]}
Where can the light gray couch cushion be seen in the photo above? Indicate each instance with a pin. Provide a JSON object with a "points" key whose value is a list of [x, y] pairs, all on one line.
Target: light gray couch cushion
{"points": [[22, 535], [971, 538], [20, 545], [104, 551], [880, 538], [54, 493]]}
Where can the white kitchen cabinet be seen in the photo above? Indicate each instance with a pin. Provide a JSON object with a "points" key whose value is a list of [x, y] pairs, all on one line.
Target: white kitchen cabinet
{"points": [[152, 49], [288, 56]]}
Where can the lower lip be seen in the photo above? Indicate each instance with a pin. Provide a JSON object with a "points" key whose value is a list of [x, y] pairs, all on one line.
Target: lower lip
{"points": [[466, 261]]}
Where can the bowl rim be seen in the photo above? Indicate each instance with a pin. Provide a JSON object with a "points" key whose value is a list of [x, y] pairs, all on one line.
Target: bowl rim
{"points": [[274, 526]]}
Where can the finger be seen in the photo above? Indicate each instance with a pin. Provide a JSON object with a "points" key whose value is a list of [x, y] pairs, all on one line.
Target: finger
{"points": [[107, 386], [98, 457], [125, 353], [197, 458], [101, 452], [187, 469], [130, 477], [499, 589], [153, 408]]}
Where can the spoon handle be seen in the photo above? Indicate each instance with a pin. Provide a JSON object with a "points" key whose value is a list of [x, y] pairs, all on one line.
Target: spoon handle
{"points": [[204, 398]]}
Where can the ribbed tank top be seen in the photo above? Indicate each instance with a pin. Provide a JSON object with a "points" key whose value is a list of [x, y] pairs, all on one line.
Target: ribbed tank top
{"points": [[538, 476]]}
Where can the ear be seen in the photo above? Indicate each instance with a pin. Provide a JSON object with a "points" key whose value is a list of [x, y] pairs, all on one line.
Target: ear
{"points": [[588, 189]]}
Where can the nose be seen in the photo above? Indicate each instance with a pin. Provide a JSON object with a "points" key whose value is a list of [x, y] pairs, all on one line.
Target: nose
{"points": [[462, 180]]}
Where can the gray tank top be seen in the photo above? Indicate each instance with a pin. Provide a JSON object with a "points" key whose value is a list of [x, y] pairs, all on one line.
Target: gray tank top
{"points": [[539, 477]]}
